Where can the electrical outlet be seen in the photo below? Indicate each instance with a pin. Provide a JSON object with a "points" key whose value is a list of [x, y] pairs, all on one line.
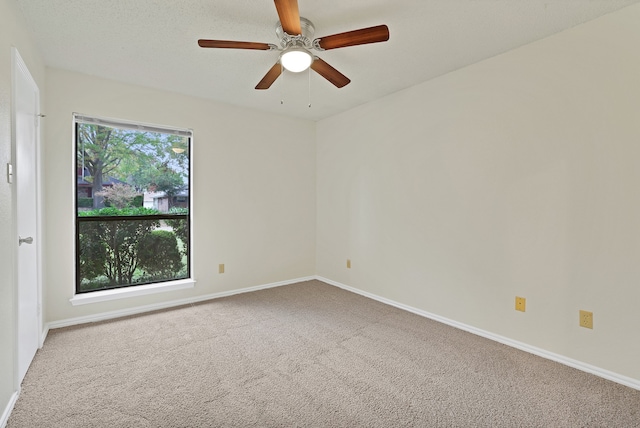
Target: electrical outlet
{"points": [[348, 264], [521, 304], [221, 268], [586, 319]]}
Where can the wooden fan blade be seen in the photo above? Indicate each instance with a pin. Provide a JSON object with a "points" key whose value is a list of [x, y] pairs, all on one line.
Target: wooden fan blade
{"points": [[363, 36], [329, 73], [270, 77], [289, 16], [228, 44]]}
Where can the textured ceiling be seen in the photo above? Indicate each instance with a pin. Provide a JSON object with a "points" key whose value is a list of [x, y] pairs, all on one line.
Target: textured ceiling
{"points": [[154, 43]]}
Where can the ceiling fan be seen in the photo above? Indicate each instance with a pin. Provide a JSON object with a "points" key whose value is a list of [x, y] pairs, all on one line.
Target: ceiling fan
{"points": [[296, 40]]}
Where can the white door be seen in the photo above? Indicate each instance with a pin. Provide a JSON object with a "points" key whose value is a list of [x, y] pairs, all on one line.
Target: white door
{"points": [[26, 111]]}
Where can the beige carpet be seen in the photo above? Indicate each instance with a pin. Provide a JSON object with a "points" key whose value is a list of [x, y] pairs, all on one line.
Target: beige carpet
{"points": [[306, 355]]}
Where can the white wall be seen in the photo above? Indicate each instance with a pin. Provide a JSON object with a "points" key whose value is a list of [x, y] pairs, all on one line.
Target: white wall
{"points": [[254, 188], [12, 34], [515, 176]]}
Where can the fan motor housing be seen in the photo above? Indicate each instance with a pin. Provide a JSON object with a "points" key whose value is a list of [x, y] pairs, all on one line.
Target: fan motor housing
{"points": [[302, 40]]}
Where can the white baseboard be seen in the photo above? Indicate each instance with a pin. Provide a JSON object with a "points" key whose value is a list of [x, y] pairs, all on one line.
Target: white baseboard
{"points": [[606, 374], [8, 409], [164, 305]]}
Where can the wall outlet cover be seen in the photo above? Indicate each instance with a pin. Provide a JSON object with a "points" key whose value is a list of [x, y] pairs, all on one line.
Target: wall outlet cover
{"points": [[586, 319]]}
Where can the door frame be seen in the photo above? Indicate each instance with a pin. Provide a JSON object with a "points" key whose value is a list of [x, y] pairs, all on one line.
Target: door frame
{"points": [[18, 65]]}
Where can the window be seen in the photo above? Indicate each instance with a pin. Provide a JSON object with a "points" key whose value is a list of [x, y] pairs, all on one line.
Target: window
{"points": [[133, 221]]}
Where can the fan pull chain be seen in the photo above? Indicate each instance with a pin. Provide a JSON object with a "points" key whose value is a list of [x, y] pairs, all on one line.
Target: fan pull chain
{"points": [[282, 84], [309, 87]]}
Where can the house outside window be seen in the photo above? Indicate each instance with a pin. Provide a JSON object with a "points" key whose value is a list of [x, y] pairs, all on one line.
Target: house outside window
{"points": [[133, 204]]}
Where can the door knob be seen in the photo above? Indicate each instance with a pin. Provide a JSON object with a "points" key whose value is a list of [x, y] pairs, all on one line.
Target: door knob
{"points": [[28, 240]]}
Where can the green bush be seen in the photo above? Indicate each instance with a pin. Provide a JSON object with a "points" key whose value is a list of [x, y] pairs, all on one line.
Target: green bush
{"points": [[85, 202], [127, 251], [138, 201], [180, 227], [158, 254], [92, 251], [98, 283], [110, 248], [111, 211]]}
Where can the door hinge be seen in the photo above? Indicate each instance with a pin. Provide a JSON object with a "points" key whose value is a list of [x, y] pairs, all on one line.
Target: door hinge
{"points": [[9, 173]]}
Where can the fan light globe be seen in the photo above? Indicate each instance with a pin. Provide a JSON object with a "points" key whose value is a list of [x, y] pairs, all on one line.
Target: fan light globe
{"points": [[296, 59]]}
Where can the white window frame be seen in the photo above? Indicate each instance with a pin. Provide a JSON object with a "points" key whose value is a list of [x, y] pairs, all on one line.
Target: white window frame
{"points": [[134, 290]]}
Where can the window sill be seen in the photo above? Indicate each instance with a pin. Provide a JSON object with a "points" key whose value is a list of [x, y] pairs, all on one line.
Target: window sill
{"points": [[124, 293]]}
